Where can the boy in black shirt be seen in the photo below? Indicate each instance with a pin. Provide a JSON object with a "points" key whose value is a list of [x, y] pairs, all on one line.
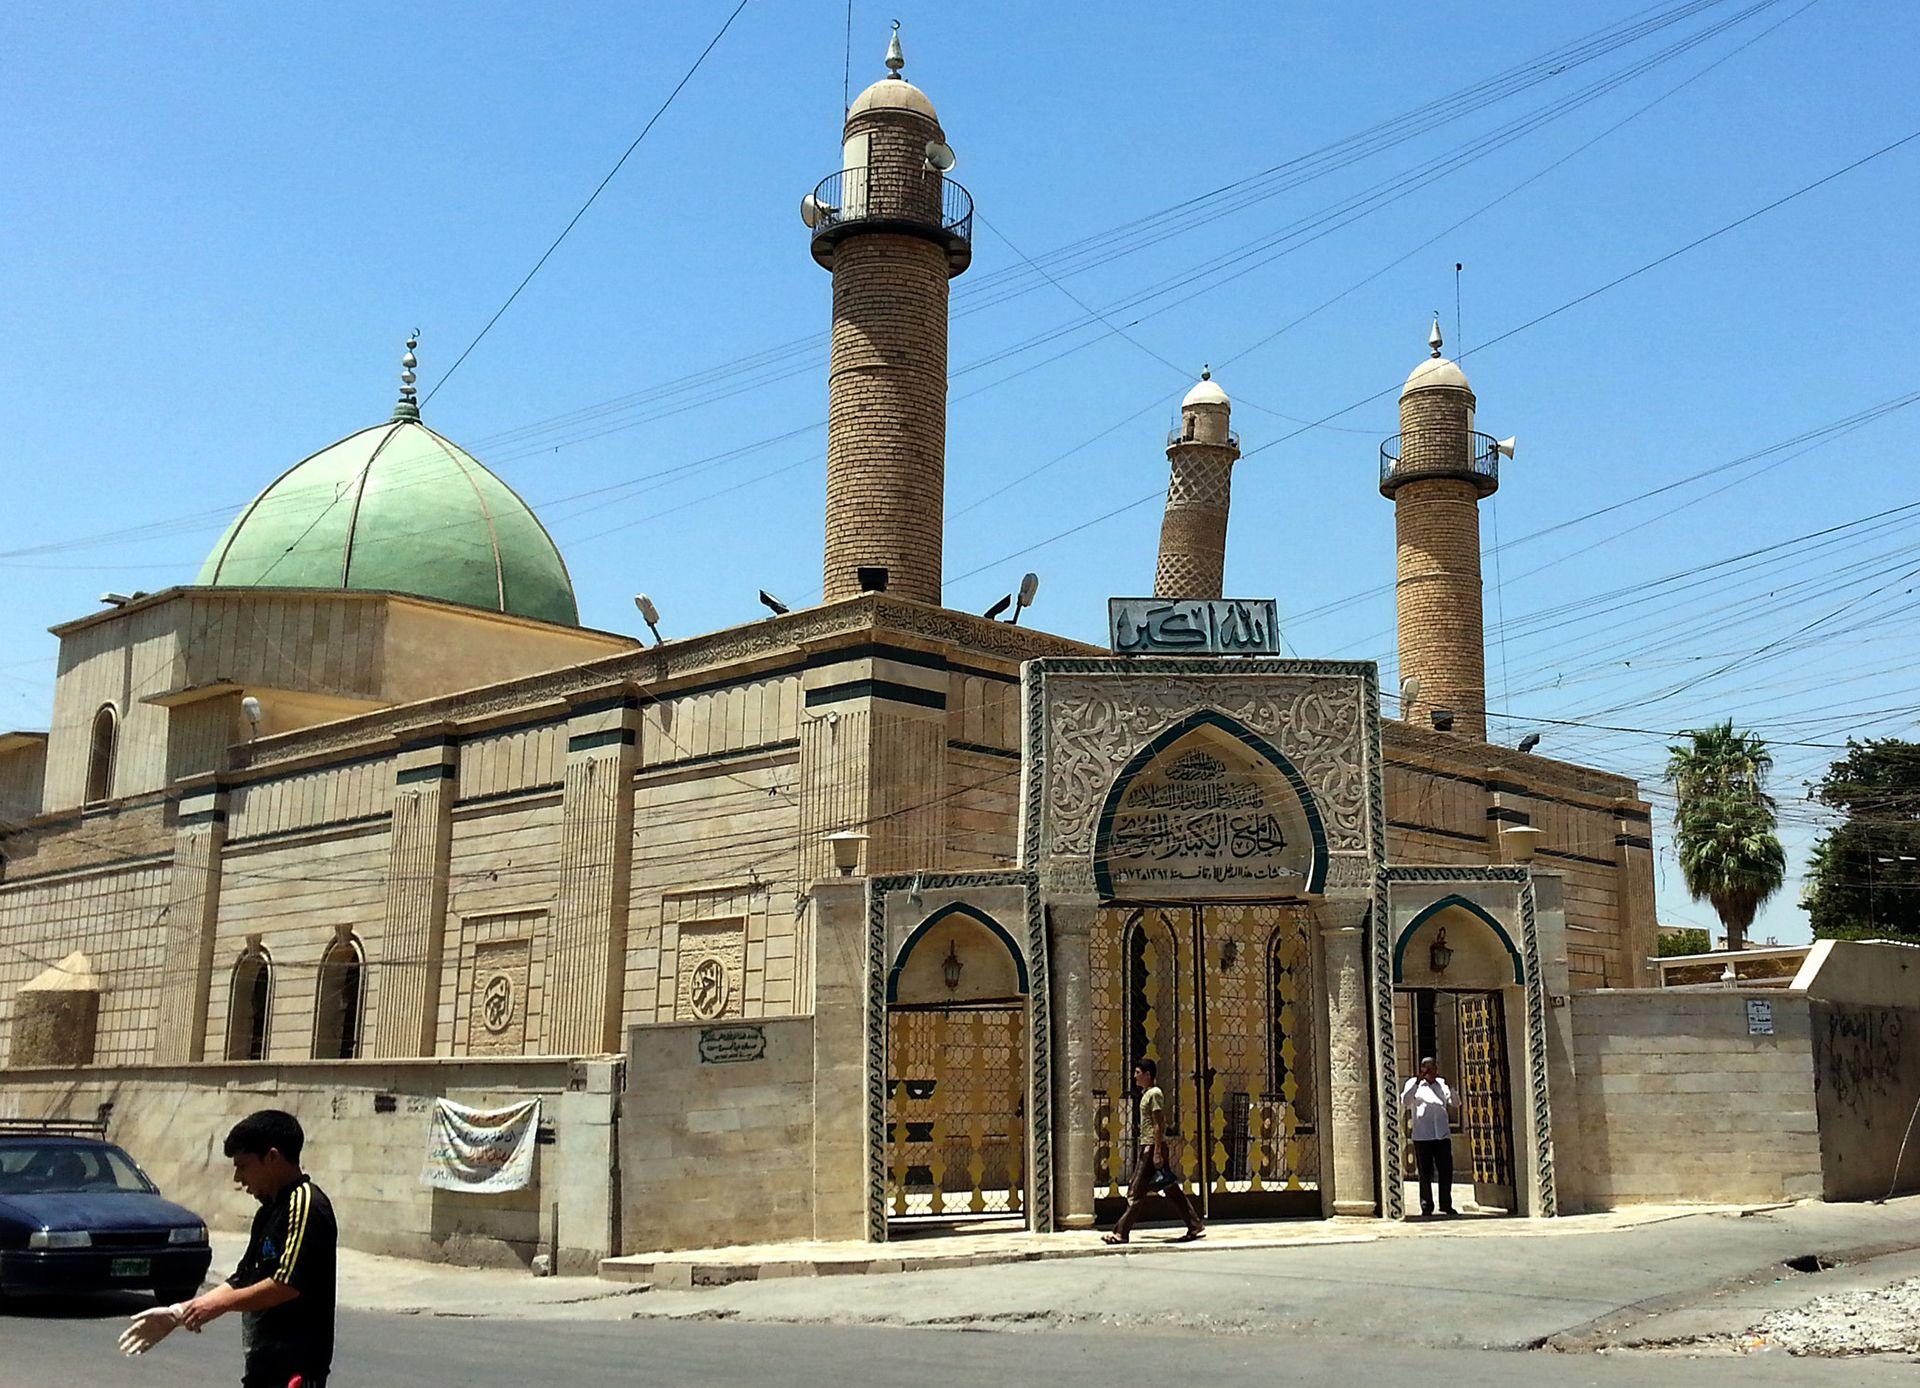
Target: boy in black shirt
{"points": [[284, 1285]]}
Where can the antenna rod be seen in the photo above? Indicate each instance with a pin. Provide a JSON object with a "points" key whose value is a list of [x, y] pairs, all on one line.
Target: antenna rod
{"points": [[1459, 338]]}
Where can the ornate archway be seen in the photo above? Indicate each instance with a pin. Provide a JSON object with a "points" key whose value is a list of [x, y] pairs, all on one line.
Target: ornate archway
{"points": [[955, 1136]]}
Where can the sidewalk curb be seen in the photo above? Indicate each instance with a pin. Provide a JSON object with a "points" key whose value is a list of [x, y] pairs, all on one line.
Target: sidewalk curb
{"points": [[667, 1273], [712, 1268]]}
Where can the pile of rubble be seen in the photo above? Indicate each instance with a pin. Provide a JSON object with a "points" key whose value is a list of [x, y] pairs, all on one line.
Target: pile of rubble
{"points": [[1885, 1320]]}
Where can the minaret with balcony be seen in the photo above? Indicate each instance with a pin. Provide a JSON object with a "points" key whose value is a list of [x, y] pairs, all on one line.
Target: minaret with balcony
{"points": [[1193, 530], [1435, 471], [893, 229]]}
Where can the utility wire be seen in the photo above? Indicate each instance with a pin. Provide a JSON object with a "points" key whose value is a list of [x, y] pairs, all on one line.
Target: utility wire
{"points": [[1534, 322], [591, 199]]}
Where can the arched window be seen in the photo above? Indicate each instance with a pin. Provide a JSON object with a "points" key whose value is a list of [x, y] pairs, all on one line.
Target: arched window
{"points": [[336, 1022], [249, 1005], [106, 739]]}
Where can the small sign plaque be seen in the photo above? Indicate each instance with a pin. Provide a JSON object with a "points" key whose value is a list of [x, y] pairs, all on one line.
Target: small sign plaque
{"points": [[1193, 626], [731, 1045], [1759, 1017]]}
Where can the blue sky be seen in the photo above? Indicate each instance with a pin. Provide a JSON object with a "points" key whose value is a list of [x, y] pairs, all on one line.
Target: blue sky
{"points": [[221, 221]]}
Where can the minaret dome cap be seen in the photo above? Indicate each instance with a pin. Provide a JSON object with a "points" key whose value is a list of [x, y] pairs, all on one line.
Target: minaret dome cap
{"points": [[893, 92], [1206, 391], [1436, 372]]}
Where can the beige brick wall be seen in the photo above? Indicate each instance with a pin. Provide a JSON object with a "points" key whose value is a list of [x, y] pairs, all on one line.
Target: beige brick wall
{"points": [[1679, 1104], [173, 1120], [716, 1153]]}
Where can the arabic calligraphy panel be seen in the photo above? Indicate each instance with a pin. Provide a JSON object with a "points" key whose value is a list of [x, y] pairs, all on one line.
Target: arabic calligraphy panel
{"points": [[1207, 818]]}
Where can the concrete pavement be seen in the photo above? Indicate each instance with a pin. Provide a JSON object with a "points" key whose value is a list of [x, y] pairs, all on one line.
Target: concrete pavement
{"points": [[1468, 1302]]}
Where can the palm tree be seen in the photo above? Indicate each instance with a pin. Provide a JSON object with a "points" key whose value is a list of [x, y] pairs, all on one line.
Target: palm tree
{"points": [[1720, 761], [1730, 854]]}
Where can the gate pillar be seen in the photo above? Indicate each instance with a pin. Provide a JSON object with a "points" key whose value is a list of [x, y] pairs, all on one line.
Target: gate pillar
{"points": [[1349, 1064], [1075, 1070]]}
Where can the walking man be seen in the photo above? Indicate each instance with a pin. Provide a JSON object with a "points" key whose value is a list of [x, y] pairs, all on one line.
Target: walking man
{"points": [[1153, 1174], [1427, 1098], [284, 1286]]}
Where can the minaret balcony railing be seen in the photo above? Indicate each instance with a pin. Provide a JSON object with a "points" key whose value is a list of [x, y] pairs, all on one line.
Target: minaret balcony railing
{"points": [[1232, 439], [908, 202], [1480, 464]]}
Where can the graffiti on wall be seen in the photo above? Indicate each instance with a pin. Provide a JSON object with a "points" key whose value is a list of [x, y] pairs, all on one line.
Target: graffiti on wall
{"points": [[1862, 1054]]}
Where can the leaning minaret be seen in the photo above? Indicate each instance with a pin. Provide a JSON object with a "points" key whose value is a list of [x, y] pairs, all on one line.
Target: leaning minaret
{"points": [[1193, 532], [893, 230], [1435, 470]]}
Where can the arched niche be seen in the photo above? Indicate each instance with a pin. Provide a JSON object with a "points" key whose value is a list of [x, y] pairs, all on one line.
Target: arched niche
{"points": [[1483, 953], [991, 966], [250, 1005], [1209, 810]]}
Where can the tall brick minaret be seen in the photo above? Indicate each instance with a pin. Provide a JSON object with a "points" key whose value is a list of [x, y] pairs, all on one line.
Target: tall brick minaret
{"points": [[1193, 531], [1435, 470], [893, 229]]}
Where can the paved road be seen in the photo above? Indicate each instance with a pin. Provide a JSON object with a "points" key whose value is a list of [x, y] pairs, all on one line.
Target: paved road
{"points": [[1466, 1292], [1398, 1310], [74, 1345]]}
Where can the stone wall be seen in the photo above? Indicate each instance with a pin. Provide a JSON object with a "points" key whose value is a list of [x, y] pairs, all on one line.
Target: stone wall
{"points": [[716, 1141], [366, 1124], [1866, 1056], [1866, 1062], [1679, 1103]]}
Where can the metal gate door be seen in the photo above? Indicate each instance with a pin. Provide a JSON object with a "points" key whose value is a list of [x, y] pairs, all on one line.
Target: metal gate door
{"points": [[1487, 1105], [956, 1112], [1218, 997]]}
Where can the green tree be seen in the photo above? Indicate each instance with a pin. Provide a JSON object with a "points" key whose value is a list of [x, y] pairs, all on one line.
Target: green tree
{"points": [[1864, 879], [1724, 825], [1687, 941]]}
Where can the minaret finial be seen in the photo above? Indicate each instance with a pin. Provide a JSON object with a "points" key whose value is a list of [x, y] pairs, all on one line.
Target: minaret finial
{"points": [[1433, 338], [409, 406], [1206, 371], [896, 59]]}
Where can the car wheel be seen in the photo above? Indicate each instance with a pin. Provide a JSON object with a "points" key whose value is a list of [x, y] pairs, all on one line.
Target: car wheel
{"points": [[177, 1291]]}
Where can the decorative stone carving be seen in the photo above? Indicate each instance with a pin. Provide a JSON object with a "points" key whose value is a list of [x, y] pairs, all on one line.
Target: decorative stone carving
{"points": [[1087, 718], [712, 961], [497, 1005], [1348, 1078]]}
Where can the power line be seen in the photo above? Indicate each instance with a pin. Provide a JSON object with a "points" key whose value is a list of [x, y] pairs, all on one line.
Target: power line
{"points": [[1534, 322], [591, 199]]}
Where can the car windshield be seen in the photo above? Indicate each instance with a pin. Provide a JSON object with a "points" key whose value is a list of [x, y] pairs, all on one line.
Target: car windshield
{"points": [[47, 1168]]}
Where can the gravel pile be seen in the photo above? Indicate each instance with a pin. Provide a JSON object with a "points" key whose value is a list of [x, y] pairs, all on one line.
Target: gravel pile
{"points": [[1884, 1321]]}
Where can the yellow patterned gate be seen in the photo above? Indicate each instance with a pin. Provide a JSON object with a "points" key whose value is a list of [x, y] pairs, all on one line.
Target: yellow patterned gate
{"points": [[956, 1112], [1219, 998]]}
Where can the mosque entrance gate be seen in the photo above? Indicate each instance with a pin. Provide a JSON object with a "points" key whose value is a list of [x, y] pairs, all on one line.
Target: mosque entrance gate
{"points": [[1205, 835], [1219, 997]]}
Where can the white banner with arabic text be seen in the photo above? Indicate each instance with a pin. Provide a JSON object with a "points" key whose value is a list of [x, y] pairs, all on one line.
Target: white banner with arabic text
{"points": [[481, 1150]]}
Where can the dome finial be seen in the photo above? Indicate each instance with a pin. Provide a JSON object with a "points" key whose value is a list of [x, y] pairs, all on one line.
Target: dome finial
{"points": [[1433, 338], [1206, 371], [896, 59], [409, 406]]}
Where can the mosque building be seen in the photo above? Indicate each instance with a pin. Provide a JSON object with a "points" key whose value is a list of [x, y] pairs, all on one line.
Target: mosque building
{"points": [[848, 919]]}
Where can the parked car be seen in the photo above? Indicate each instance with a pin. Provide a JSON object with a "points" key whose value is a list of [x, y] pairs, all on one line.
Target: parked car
{"points": [[77, 1214]]}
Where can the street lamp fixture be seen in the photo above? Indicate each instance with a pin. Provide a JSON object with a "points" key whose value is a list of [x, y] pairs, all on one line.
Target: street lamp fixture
{"points": [[846, 850]]}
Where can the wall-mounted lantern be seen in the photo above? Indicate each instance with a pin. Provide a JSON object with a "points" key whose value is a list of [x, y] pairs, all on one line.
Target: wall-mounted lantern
{"points": [[1440, 956], [950, 967]]}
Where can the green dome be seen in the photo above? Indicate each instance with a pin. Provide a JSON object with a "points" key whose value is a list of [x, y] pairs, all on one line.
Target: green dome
{"points": [[397, 508]]}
